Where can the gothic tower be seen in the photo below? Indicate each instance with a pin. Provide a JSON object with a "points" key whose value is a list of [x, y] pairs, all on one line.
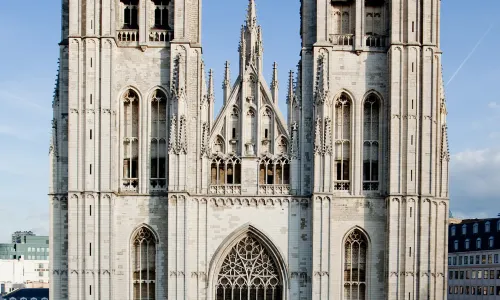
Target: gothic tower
{"points": [[371, 105], [155, 197]]}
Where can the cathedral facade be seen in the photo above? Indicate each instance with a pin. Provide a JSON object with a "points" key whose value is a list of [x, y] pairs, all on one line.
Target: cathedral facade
{"points": [[152, 196]]}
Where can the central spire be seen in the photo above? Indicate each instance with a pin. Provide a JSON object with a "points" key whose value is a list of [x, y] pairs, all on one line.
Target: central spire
{"points": [[251, 40], [251, 14]]}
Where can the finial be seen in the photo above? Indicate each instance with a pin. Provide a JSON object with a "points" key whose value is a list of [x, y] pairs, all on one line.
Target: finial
{"points": [[227, 74], [274, 83], [290, 87], [211, 82], [252, 15]]}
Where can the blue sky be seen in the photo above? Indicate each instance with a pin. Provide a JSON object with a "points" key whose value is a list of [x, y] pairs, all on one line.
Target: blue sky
{"points": [[29, 36]]}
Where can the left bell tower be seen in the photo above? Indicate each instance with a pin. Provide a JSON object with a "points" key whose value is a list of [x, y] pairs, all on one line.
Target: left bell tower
{"points": [[129, 82]]}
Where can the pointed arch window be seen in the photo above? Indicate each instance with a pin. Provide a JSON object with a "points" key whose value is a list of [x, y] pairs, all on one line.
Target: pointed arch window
{"points": [[162, 10], [371, 143], [266, 133], [453, 230], [343, 16], [355, 261], [275, 171], [144, 264], [225, 170], [342, 142], [130, 141], [464, 229], [467, 244], [475, 228], [491, 242], [249, 272], [478, 243], [487, 226], [159, 136], [130, 14]]}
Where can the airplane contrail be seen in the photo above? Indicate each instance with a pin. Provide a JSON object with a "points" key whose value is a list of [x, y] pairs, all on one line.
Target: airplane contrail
{"points": [[470, 54]]}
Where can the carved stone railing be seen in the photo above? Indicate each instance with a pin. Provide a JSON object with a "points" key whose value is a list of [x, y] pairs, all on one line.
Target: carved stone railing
{"points": [[376, 41], [161, 35], [370, 185], [342, 39], [130, 185], [158, 185], [342, 185], [127, 35], [226, 189], [274, 189]]}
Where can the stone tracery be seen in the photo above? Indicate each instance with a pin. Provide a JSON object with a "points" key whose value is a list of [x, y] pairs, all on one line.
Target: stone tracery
{"points": [[249, 272]]}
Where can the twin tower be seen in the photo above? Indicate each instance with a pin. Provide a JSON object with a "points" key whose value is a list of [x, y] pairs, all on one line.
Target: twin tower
{"points": [[153, 197]]}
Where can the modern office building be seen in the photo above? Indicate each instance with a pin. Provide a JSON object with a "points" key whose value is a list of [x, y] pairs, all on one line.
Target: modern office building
{"points": [[24, 262], [26, 245], [474, 259]]}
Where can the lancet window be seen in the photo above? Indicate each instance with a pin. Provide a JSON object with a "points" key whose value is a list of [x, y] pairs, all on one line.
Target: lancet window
{"points": [[371, 143], [282, 146], [159, 135], [343, 16], [266, 127], [274, 171], [342, 142], [234, 128], [130, 14], [355, 261], [225, 170], [249, 273], [144, 264], [375, 28], [130, 140], [162, 11]]}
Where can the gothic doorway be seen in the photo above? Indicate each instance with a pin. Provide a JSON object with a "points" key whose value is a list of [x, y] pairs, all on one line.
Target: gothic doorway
{"points": [[249, 272]]}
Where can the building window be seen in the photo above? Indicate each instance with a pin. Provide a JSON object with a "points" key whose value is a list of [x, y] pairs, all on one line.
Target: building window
{"points": [[478, 243], [498, 225], [453, 230], [460, 259], [491, 242], [355, 258], [492, 274], [466, 260], [275, 171], [464, 229], [159, 136], [471, 258], [473, 274], [455, 245], [487, 226], [467, 274], [483, 259], [344, 13], [162, 8], [495, 257], [371, 135], [342, 143], [130, 14], [454, 260], [144, 264], [478, 259], [490, 258], [130, 140], [467, 244], [225, 170], [449, 261], [475, 228], [249, 272]]}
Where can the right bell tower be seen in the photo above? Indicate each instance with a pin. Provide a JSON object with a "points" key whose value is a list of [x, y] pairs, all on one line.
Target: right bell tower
{"points": [[369, 110]]}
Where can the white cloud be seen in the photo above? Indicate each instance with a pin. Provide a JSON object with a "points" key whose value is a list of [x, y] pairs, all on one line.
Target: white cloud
{"points": [[475, 183], [493, 105]]}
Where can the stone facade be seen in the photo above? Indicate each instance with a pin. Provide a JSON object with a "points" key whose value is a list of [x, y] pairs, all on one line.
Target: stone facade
{"points": [[154, 198]]}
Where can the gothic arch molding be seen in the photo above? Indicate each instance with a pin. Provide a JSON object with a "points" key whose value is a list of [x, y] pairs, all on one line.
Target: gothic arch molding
{"points": [[144, 225], [373, 92], [227, 245], [123, 90], [158, 87]]}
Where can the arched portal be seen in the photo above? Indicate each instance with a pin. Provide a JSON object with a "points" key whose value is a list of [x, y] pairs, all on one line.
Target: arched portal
{"points": [[249, 271]]}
